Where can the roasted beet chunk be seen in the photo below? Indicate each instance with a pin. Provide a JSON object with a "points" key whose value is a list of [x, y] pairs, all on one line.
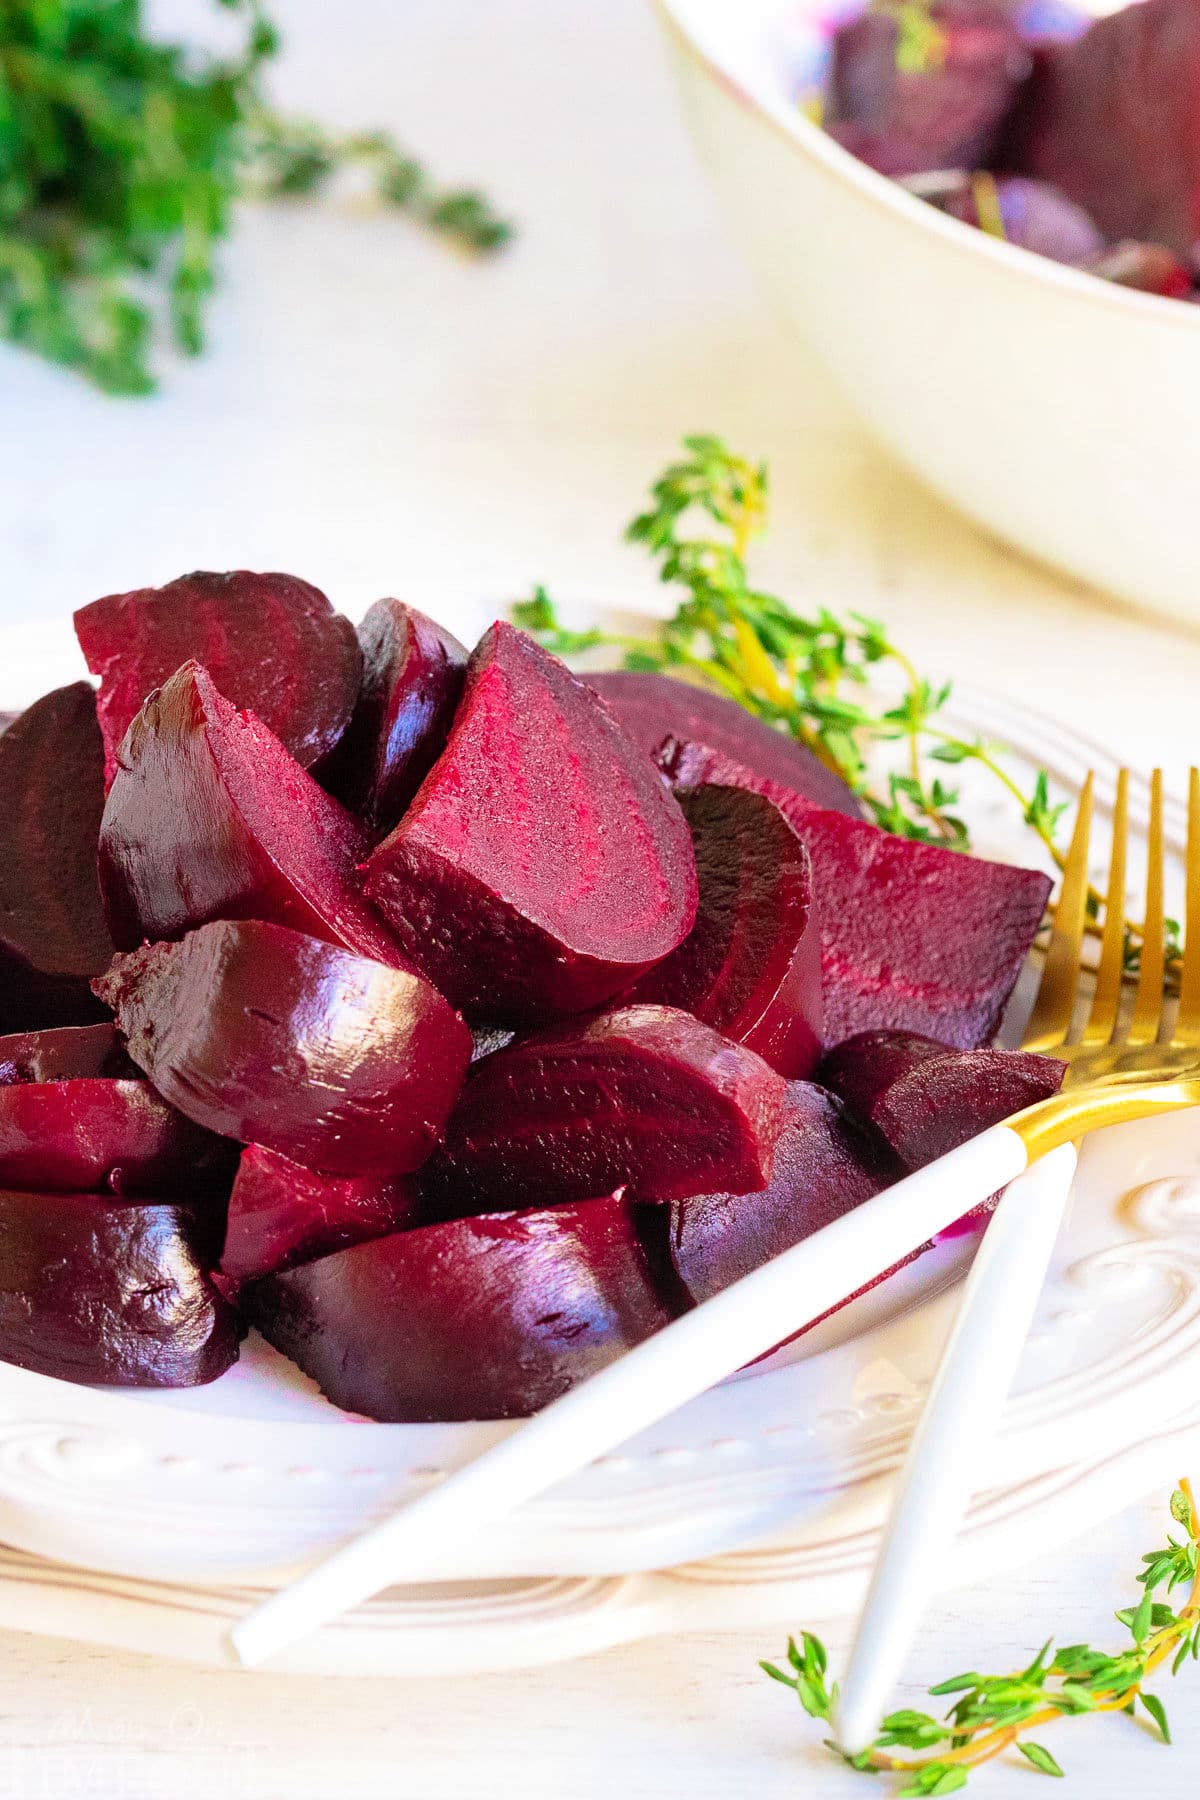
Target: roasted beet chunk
{"points": [[751, 966], [652, 707], [644, 1098], [1113, 119], [52, 932], [412, 678], [76, 1135], [271, 643], [913, 937], [487, 1318], [209, 817], [825, 1166], [937, 105], [543, 865], [111, 1291], [70, 1053], [274, 1038], [924, 1098], [281, 1214]]}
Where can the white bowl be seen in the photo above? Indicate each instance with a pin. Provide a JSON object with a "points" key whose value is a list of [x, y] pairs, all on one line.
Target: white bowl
{"points": [[1057, 410]]}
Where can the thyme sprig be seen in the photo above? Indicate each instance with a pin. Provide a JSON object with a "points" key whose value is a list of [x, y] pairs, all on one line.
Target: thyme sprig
{"points": [[990, 1714]]}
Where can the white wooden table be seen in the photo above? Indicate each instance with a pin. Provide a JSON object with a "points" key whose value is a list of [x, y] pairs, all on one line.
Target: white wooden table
{"points": [[380, 417]]}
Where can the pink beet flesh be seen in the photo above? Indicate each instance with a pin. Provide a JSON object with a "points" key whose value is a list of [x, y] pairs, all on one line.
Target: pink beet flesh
{"points": [[644, 1098], [94, 1134], [543, 866], [412, 678], [53, 937], [71, 1052], [485, 1318], [751, 966], [913, 937], [273, 1038], [111, 1291], [652, 707], [209, 817], [924, 1098], [281, 1214], [272, 643]]}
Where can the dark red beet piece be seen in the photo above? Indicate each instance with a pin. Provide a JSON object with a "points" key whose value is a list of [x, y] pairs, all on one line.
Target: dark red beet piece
{"points": [[946, 114], [112, 1291], [1147, 268], [412, 678], [69, 1053], [751, 966], [208, 817], [485, 1318], [652, 707], [7, 719], [924, 1098], [52, 932], [281, 1214], [913, 937], [825, 1166], [543, 865], [77, 1135], [1113, 119], [644, 1098], [274, 1038], [272, 644]]}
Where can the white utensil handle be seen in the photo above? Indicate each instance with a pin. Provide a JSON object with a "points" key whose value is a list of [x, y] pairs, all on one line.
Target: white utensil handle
{"points": [[679, 1362], [972, 1382]]}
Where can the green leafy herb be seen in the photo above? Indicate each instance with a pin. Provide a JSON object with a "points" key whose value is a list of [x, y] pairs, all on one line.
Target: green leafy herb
{"points": [[990, 1714], [120, 161]]}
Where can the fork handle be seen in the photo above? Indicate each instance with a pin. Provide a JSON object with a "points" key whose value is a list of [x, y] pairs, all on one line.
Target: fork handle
{"points": [[974, 1376]]}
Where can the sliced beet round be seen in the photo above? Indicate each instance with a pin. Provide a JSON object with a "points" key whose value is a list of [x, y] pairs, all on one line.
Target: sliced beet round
{"points": [[543, 866], [91, 1134], [924, 1098], [751, 965], [68, 1053], [652, 707], [412, 678], [53, 937], [644, 1098], [209, 817], [281, 1214], [265, 1035], [913, 937], [485, 1318], [272, 643], [112, 1291], [825, 1166]]}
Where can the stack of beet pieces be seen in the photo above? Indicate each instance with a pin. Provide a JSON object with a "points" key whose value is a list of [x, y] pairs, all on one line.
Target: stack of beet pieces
{"points": [[1083, 145], [454, 1025]]}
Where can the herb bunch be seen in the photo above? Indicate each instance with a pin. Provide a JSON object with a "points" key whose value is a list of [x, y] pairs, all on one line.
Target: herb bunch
{"points": [[121, 159], [990, 1714]]}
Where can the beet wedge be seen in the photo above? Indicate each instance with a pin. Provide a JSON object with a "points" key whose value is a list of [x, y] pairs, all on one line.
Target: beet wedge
{"points": [[281, 1214], [485, 1318], [112, 1291], [542, 866], [913, 937], [264, 1035], [652, 707], [644, 1098], [272, 643], [67, 1053], [95, 1134], [209, 817], [825, 1166], [924, 1099], [53, 937], [751, 965], [411, 681]]}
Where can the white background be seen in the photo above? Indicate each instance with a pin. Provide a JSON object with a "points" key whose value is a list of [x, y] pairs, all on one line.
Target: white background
{"points": [[379, 416]]}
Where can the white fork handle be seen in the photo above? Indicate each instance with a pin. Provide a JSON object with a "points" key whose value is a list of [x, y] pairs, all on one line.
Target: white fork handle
{"points": [[650, 1381], [972, 1381]]}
